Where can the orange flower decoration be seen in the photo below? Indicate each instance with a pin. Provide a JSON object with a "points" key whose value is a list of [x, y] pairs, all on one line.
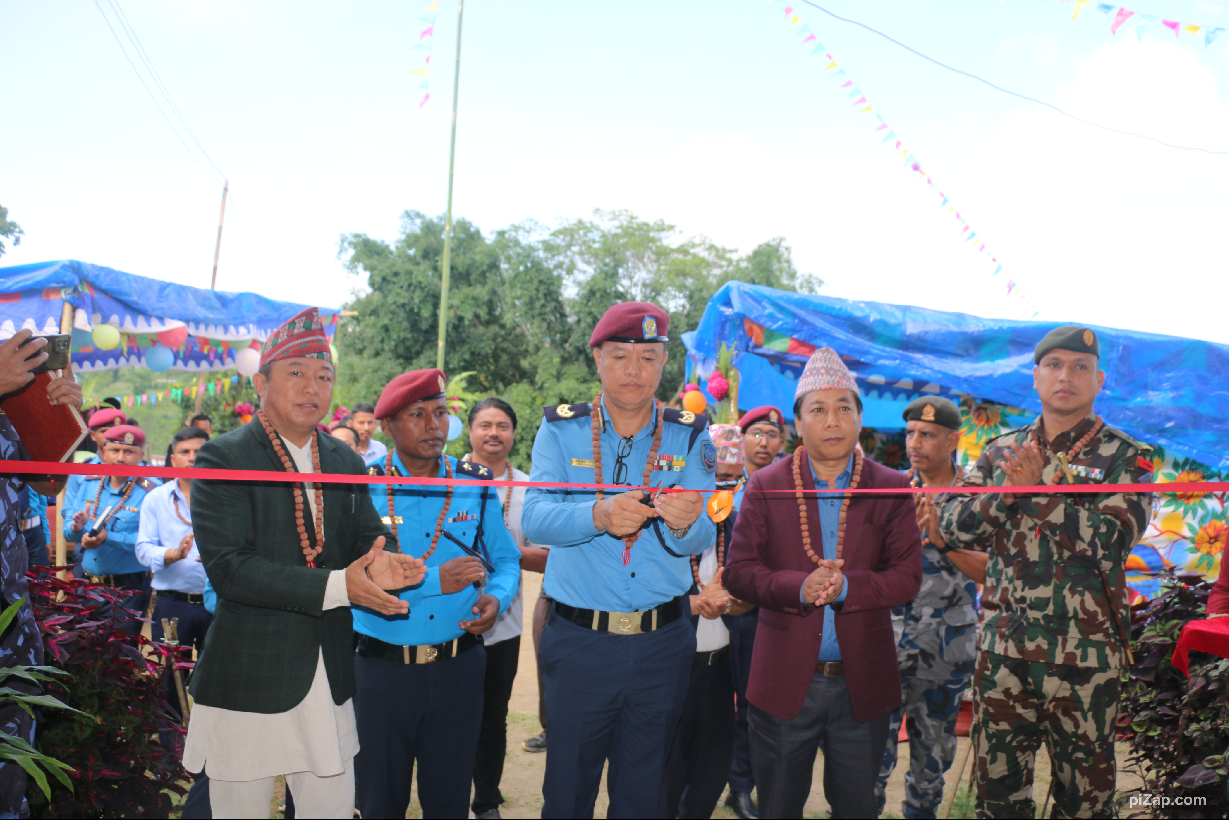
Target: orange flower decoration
{"points": [[1189, 476], [1212, 538]]}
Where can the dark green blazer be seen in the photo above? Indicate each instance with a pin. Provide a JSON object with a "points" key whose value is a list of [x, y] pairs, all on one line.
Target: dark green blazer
{"points": [[270, 626]]}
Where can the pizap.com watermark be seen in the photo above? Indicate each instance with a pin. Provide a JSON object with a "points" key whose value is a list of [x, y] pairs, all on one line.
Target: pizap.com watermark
{"points": [[1156, 801]]}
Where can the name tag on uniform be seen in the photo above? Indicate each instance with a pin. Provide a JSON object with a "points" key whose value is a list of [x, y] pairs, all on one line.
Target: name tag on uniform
{"points": [[583, 462], [386, 520], [670, 464], [1088, 472]]}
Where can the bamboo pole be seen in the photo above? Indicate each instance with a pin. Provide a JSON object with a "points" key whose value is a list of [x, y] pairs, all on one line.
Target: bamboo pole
{"points": [[213, 285], [61, 544], [452, 158]]}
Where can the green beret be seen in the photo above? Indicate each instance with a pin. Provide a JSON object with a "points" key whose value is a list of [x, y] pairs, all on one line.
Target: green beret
{"points": [[1075, 338], [935, 410]]}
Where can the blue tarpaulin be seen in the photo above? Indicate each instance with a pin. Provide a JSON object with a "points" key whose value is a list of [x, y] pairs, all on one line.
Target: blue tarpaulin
{"points": [[1163, 390], [33, 296]]}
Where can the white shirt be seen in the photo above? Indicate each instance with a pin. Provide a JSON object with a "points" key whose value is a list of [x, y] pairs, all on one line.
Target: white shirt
{"points": [[316, 736], [160, 532], [375, 453], [710, 634], [510, 622]]}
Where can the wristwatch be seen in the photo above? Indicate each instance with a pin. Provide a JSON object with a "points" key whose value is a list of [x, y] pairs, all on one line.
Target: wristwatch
{"points": [[679, 533], [945, 549]]}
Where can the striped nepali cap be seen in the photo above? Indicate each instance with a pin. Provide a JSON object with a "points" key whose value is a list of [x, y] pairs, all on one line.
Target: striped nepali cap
{"points": [[825, 371], [302, 336]]}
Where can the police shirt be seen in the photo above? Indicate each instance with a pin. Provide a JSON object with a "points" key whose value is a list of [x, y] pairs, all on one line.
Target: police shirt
{"points": [[116, 555], [434, 617], [586, 566]]}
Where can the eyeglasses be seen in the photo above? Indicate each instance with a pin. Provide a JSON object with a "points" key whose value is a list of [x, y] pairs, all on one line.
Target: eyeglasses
{"points": [[760, 435], [625, 450]]}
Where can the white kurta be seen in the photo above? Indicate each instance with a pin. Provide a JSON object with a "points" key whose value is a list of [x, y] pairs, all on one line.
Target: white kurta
{"points": [[710, 634], [316, 736]]}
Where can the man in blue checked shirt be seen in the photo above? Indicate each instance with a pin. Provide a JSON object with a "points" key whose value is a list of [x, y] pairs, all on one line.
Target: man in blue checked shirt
{"points": [[616, 654], [429, 662]]}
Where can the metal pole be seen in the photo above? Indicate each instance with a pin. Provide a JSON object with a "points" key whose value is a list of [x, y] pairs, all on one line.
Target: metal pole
{"points": [[452, 158], [213, 285]]}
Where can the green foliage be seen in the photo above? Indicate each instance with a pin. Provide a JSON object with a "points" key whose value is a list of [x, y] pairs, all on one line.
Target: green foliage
{"points": [[523, 302], [1178, 728], [219, 408], [8, 230]]}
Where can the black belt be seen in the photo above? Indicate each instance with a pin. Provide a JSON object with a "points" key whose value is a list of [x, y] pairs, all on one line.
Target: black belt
{"points": [[830, 669], [712, 658], [186, 597], [118, 580], [370, 647], [626, 623]]}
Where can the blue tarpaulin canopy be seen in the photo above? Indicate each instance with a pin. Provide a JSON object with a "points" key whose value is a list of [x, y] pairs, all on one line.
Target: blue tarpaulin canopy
{"points": [[33, 296], [1163, 390]]}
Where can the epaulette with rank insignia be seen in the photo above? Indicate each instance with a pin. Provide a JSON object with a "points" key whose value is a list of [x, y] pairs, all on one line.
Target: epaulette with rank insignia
{"points": [[472, 469], [147, 484], [375, 469], [1139, 445], [697, 421], [564, 412]]}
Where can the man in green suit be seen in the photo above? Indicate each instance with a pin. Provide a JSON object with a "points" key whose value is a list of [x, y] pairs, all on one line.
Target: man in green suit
{"points": [[275, 680]]}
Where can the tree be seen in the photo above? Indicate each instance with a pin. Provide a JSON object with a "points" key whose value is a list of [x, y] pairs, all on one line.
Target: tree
{"points": [[9, 230]]}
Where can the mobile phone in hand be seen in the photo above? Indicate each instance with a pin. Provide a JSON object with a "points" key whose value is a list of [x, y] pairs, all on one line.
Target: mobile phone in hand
{"points": [[57, 350]]}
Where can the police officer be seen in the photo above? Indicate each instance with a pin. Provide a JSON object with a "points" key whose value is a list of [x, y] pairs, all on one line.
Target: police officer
{"points": [[763, 431], [1054, 611], [104, 516], [617, 651], [936, 632], [420, 676]]}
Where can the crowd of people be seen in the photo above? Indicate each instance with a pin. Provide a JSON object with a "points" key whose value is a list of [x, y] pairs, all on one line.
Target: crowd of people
{"points": [[714, 612]]}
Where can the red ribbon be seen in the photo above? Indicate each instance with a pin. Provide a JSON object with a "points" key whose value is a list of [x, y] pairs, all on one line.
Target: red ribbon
{"points": [[40, 468]]}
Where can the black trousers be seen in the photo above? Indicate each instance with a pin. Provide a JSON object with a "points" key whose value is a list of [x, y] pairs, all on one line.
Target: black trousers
{"points": [[613, 698], [194, 621], [501, 664], [783, 754], [429, 714], [699, 758], [742, 644], [36, 545]]}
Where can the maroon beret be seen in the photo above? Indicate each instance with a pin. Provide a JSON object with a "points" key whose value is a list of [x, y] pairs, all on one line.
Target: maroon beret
{"points": [[766, 414], [107, 415], [126, 434], [408, 388], [631, 322]]}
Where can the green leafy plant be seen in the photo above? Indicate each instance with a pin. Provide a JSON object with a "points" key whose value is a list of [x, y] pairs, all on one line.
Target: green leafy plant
{"points": [[1178, 728], [13, 748]]}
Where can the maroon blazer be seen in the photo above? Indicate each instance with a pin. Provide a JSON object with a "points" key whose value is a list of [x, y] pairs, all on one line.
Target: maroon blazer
{"points": [[767, 565]]}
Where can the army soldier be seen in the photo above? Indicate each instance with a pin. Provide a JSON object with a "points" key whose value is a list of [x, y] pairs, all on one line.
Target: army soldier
{"points": [[936, 632], [430, 661], [1055, 623], [617, 651], [104, 516]]}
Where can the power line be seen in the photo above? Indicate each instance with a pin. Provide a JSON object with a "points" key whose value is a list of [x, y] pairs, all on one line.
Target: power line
{"points": [[149, 91], [123, 18], [1008, 91]]}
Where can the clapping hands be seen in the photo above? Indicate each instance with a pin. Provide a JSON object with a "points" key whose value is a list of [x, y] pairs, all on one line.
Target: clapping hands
{"points": [[824, 584]]}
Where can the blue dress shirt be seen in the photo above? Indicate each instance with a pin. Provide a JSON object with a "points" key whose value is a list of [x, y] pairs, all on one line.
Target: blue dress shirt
{"points": [[117, 555], [434, 617], [586, 565], [376, 451], [829, 525], [162, 530]]}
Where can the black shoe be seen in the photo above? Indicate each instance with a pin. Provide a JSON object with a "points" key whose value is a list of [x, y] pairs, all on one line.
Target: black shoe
{"points": [[535, 744], [489, 814], [743, 805]]}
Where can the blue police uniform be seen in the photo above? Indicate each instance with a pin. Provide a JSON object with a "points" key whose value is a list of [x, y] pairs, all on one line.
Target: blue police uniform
{"points": [[114, 563], [423, 661], [33, 513], [617, 650]]}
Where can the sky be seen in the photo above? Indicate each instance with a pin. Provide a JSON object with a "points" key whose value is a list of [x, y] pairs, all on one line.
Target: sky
{"points": [[711, 116]]}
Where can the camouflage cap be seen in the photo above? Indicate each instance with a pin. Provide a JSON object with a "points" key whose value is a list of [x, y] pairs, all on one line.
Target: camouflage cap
{"points": [[935, 410], [1075, 338]]}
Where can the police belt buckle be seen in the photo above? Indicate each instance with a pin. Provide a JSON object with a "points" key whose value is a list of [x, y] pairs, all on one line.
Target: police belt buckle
{"points": [[625, 623]]}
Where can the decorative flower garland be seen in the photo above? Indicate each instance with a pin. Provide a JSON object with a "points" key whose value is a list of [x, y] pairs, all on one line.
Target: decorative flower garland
{"points": [[299, 502], [800, 454], [439, 522], [648, 466]]}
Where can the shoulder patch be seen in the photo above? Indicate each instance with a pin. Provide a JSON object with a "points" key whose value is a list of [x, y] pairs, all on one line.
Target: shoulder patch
{"points": [[697, 421], [564, 412], [375, 469], [1139, 445], [147, 484], [471, 469]]}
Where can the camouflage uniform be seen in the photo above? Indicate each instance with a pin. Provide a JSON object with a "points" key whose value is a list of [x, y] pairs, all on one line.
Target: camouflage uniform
{"points": [[21, 643], [1051, 639], [936, 644]]}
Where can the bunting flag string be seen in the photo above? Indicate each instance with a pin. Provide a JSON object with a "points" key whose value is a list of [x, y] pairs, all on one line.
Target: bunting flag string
{"points": [[212, 388], [1120, 16], [841, 78], [426, 37]]}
